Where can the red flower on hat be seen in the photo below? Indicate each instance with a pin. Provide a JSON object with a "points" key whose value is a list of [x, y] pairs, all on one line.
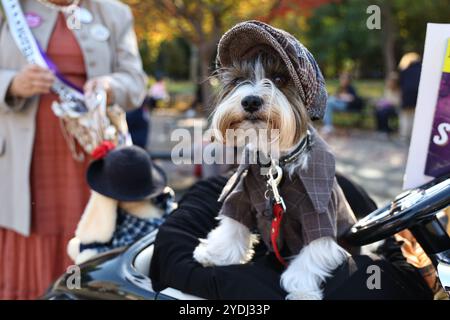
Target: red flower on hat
{"points": [[102, 150]]}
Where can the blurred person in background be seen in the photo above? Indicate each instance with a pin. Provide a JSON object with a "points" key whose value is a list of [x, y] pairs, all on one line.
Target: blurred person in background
{"points": [[42, 188], [157, 92], [410, 67], [139, 126], [344, 99], [139, 120], [387, 107]]}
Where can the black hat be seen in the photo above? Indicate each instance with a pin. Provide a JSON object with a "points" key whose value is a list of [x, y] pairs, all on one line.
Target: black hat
{"points": [[126, 174]]}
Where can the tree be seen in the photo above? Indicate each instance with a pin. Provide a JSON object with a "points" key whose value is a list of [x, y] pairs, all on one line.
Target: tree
{"points": [[202, 23], [338, 36]]}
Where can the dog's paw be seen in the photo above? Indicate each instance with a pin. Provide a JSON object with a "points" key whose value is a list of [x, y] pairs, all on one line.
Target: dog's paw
{"points": [[304, 296], [208, 257]]}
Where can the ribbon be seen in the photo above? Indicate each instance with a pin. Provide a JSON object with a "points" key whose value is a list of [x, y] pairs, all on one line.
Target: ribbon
{"points": [[33, 54], [277, 211]]}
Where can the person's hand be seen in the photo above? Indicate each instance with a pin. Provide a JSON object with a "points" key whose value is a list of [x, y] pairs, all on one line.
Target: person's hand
{"points": [[412, 250], [30, 81], [415, 255], [100, 83]]}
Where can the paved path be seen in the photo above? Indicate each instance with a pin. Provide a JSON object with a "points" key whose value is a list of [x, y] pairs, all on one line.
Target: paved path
{"points": [[375, 162]]}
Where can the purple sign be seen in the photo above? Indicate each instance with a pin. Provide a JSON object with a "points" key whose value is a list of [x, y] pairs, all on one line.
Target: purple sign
{"points": [[438, 159]]}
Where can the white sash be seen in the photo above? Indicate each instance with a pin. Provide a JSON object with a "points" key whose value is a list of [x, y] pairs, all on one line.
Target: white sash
{"points": [[30, 49]]}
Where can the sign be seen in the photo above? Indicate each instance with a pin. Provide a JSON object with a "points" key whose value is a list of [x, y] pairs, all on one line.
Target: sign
{"points": [[429, 152]]}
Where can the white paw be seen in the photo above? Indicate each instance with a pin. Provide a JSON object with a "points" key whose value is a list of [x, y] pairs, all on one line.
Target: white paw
{"points": [[202, 256], [304, 296], [208, 257]]}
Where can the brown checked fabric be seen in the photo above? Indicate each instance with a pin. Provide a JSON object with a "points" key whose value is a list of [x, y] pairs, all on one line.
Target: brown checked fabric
{"points": [[302, 67], [315, 204]]}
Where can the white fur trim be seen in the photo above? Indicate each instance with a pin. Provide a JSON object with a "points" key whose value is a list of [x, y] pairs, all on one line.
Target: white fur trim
{"points": [[85, 255], [98, 221], [142, 209], [230, 243], [307, 272], [73, 248]]}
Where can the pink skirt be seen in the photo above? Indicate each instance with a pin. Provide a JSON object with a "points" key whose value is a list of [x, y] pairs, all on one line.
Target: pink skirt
{"points": [[28, 265]]}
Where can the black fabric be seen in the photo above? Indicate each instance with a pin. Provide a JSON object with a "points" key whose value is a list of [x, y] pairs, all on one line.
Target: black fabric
{"points": [[356, 105], [173, 266], [383, 117], [357, 197], [139, 126]]}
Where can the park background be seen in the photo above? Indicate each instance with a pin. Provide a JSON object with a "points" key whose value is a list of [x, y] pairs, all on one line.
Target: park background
{"points": [[178, 39]]}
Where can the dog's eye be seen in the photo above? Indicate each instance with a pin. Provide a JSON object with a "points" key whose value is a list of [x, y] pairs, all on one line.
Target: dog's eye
{"points": [[279, 80]]}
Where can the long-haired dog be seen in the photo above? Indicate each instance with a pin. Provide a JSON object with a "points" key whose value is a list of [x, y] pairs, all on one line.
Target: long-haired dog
{"points": [[260, 92]]}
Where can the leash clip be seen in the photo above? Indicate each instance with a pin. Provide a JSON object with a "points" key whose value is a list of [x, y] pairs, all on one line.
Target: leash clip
{"points": [[273, 183]]}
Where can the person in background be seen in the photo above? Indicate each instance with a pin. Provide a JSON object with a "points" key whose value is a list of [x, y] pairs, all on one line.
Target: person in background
{"points": [[42, 187], [157, 92], [341, 101], [387, 107], [410, 67], [139, 120]]}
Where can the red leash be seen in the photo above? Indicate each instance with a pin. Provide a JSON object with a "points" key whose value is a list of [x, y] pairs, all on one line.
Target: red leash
{"points": [[278, 208], [278, 211]]}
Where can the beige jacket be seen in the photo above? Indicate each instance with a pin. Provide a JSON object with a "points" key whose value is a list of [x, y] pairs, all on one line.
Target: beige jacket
{"points": [[117, 58]]}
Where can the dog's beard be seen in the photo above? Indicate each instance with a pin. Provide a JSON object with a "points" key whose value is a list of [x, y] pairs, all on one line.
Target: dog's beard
{"points": [[279, 124]]}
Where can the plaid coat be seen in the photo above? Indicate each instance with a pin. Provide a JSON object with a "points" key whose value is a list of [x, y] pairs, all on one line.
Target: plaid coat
{"points": [[315, 204]]}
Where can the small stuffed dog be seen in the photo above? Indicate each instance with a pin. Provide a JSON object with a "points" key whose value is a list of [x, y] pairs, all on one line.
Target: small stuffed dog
{"points": [[129, 200], [271, 81]]}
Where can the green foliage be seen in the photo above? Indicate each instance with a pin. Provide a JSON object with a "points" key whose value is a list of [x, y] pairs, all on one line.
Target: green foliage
{"points": [[172, 58], [335, 31], [338, 37], [412, 18]]}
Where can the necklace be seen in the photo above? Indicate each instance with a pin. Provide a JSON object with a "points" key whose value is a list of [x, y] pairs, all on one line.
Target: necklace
{"points": [[62, 8]]}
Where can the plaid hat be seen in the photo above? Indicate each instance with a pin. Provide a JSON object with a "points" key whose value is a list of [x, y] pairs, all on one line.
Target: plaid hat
{"points": [[244, 37]]}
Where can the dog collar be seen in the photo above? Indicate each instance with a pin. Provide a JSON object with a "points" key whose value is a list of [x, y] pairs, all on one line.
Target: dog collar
{"points": [[304, 145]]}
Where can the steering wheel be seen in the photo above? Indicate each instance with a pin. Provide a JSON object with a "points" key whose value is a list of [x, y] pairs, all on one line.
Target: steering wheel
{"points": [[406, 210]]}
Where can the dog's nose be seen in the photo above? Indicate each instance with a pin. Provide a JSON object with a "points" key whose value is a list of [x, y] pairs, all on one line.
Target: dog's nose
{"points": [[251, 103]]}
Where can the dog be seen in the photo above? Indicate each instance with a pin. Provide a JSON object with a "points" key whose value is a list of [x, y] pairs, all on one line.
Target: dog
{"points": [[265, 88], [129, 199]]}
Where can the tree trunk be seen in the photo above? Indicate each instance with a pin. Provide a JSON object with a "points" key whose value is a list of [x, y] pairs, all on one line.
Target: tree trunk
{"points": [[205, 56], [193, 64], [388, 36]]}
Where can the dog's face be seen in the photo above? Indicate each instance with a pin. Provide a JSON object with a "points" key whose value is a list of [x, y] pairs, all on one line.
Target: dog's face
{"points": [[258, 95]]}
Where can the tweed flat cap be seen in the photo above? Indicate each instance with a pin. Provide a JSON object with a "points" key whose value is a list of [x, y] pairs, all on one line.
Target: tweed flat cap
{"points": [[301, 65]]}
